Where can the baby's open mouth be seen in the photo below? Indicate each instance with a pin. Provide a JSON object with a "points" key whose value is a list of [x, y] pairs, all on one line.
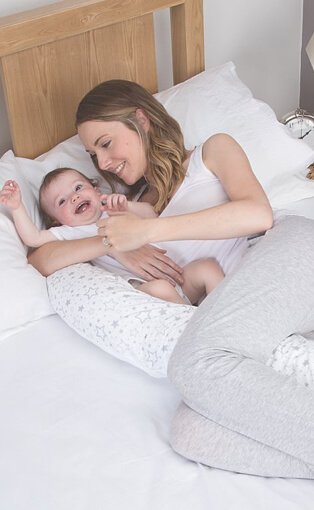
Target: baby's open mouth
{"points": [[82, 207]]}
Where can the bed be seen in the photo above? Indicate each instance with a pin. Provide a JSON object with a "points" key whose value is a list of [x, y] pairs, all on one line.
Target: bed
{"points": [[84, 416]]}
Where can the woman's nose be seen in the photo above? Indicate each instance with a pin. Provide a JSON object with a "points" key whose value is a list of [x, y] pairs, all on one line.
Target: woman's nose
{"points": [[104, 162]]}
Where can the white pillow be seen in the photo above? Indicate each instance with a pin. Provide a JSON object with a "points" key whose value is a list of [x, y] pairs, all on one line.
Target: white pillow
{"points": [[218, 101], [9, 169], [23, 296], [23, 290], [109, 312]]}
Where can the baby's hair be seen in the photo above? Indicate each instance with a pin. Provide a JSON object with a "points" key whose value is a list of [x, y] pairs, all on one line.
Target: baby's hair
{"points": [[46, 182]]}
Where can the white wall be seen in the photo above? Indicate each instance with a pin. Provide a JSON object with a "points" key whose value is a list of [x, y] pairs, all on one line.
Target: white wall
{"points": [[307, 71], [263, 38]]}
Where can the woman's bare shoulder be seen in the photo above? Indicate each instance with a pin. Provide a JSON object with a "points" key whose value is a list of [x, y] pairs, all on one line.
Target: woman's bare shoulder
{"points": [[219, 146], [218, 141]]}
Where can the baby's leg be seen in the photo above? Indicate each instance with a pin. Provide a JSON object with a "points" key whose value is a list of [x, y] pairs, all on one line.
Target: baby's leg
{"points": [[200, 278], [162, 290]]}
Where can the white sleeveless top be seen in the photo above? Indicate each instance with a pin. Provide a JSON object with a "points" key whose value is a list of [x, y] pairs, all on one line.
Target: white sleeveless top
{"points": [[201, 189]]}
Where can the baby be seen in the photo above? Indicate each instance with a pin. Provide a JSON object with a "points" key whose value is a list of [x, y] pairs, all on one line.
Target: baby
{"points": [[71, 206]]}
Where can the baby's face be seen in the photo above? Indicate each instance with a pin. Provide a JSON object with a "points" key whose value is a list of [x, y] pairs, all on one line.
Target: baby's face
{"points": [[72, 200]]}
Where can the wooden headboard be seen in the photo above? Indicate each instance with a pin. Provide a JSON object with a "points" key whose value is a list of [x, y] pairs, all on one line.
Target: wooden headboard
{"points": [[51, 56]]}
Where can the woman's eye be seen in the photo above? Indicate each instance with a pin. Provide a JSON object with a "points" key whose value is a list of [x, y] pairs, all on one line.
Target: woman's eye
{"points": [[106, 145]]}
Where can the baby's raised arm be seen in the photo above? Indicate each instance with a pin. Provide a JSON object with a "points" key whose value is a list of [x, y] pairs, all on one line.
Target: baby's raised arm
{"points": [[117, 202], [10, 197]]}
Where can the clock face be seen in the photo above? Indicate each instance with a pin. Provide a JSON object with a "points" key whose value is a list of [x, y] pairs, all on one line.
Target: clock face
{"points": [[300, 125]]}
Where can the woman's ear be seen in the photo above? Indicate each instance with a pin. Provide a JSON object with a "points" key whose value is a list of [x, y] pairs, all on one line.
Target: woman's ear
{"points": [[142, 119]]}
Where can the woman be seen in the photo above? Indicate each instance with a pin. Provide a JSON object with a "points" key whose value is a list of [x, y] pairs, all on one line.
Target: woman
{"points": [[238, 414]]}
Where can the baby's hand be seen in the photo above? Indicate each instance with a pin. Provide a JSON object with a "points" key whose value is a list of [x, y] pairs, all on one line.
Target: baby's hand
{"points": [[10, 195], [114, 202]]}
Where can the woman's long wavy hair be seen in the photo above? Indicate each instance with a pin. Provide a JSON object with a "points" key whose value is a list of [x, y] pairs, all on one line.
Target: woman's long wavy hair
{"points": [[118, 100]]}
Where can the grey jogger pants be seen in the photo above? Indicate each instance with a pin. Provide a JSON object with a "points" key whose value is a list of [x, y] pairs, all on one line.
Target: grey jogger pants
{"points": [[239, 414]]}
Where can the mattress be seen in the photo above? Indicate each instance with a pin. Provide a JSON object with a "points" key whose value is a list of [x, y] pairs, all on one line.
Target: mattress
{"points": [[81, 429]]}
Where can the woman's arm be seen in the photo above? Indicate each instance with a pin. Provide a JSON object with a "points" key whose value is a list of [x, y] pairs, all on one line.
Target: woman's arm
{"points": [[58, 254], [148, 262], [142, 209], [247, 212]]}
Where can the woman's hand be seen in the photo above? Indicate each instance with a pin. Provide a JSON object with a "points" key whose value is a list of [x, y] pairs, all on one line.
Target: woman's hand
{"points": [[126, 234], [150, 262], [124, 231]]}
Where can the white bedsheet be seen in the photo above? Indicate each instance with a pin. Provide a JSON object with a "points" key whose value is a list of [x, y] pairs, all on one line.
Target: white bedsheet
{"points": [[80, 429], [303, 207]]}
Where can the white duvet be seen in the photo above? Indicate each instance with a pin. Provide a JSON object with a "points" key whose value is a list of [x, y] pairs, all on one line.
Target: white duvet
{"points": [[80, 429]]}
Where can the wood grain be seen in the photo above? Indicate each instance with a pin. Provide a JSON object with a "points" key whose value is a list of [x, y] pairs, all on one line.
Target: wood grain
{"points": [[50, 57]]}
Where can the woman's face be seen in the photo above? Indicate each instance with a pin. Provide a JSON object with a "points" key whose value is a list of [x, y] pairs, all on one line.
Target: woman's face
{"points": [[118, 149]]}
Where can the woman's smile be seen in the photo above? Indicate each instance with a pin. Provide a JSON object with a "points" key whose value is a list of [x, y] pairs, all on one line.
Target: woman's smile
{"points": [[119, 168]]}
